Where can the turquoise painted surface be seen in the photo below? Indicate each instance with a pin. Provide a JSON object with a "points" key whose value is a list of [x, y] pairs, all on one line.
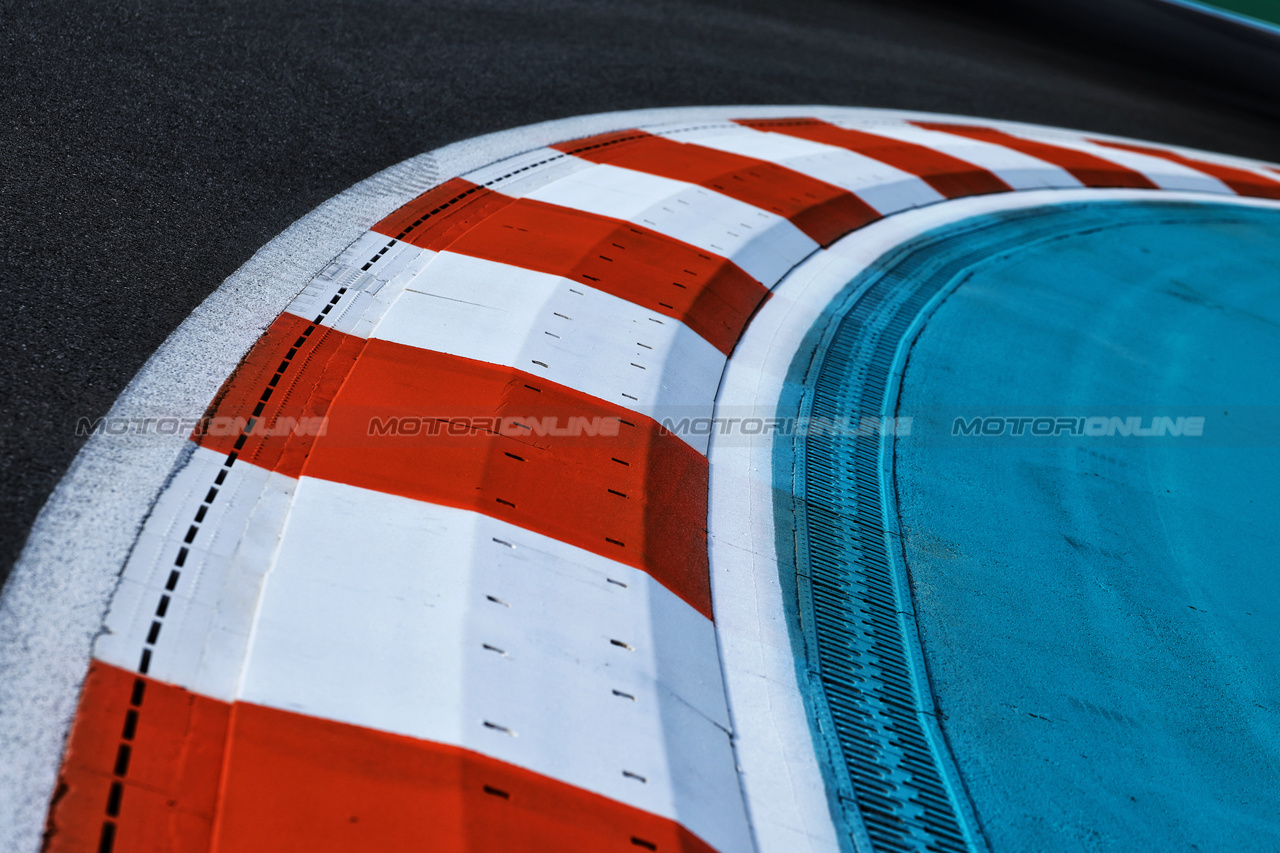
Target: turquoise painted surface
{"points": [[1101, 615], [1260, 10]]}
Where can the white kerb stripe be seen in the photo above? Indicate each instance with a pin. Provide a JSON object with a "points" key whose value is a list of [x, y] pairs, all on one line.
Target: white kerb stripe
{"points": [[884, 187], [1165, 174], [763, 244], [1018, 170], [569, 333], [449, 626], [206, 625]]}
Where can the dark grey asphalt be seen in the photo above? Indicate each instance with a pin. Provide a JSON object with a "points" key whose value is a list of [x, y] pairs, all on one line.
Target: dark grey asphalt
{"points": [[147, 149]]}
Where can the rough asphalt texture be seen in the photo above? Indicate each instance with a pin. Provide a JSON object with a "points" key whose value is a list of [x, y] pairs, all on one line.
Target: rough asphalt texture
{"points": [[149, 148]]}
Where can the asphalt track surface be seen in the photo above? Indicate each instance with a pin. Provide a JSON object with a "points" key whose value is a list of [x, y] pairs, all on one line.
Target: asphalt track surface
{"points": [[151, 148]]}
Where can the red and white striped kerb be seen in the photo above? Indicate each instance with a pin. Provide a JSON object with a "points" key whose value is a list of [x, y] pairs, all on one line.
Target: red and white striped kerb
{"points": [[433, 576]]}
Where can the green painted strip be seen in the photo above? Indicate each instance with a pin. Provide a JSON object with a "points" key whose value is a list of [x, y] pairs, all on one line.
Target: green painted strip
{"points": [[1263, 11]]}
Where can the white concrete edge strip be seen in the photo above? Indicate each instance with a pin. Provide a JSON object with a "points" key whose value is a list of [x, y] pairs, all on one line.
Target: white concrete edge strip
{"points": [[781, 779], [53, 604]]}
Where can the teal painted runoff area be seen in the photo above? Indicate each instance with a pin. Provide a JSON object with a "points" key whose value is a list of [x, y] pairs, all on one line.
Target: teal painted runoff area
{"points": [[1100, 613], [1262, 10], [1070, 559]]}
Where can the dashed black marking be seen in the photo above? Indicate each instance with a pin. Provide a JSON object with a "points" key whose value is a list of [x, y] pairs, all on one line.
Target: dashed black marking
{"points": [[123, 753], [107, 837], [113, 799]]}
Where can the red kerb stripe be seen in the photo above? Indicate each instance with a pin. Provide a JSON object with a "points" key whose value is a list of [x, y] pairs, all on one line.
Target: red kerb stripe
{"points": [[302, 783], [203, 775], [298, 367], [160, 747], [436, 218], [950, 176], [473, 435], [710, 294], [821, 210], [503, 442], [1240, 181], [1087, 169]]}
